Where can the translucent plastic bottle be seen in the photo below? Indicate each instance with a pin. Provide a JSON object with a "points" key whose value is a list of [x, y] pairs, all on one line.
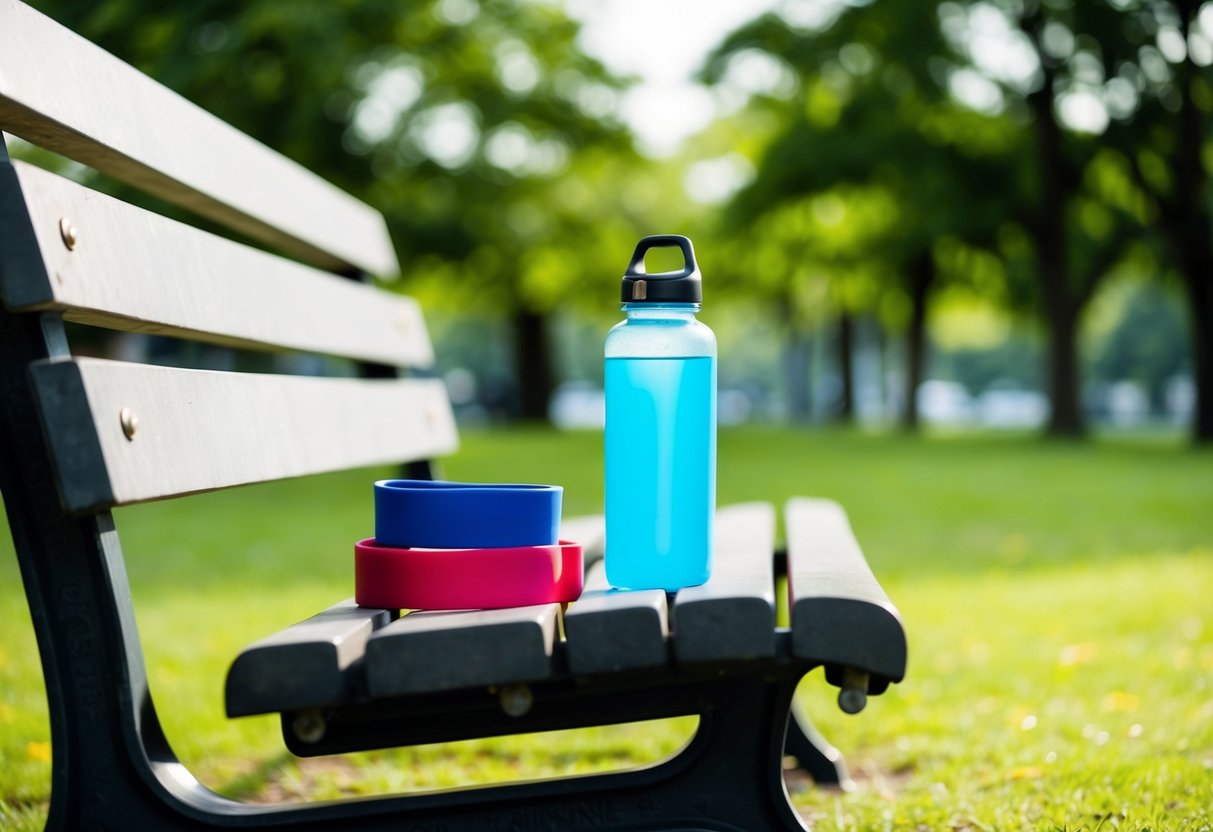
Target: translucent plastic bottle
{"points": [[660, 429]]}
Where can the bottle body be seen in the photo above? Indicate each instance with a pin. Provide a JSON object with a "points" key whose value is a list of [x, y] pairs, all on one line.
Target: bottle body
{"points": [[660, 448]]}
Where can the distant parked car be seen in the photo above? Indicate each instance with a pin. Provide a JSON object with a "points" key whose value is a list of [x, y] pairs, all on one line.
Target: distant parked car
{"points": [[577, 404], [944, 403], [1003, 407]]}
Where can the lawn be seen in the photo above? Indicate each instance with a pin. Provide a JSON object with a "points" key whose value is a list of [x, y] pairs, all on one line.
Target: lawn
{"points": [[1058, 599]]}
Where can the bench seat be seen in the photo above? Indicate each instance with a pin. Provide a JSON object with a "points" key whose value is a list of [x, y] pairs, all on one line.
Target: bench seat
{"points": [[323, 673]]}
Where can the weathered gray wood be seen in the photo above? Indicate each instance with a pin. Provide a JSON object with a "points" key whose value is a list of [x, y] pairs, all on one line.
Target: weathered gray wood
{"points": [[200, 430], [840, 613], [306, 665], [589, 531], [134, 270], [427, 652], [610, 629], [61, 92], [732, 616]]}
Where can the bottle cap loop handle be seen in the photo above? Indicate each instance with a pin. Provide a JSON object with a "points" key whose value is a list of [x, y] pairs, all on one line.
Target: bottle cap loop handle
{"points": [[636, 267], [683, 286]]}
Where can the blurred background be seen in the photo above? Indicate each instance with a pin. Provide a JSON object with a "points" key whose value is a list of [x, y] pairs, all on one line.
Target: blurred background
{"points": [[980, 214], [982, 221]]}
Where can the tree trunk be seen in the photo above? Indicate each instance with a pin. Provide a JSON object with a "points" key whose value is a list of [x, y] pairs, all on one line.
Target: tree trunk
{"points": [[1192, 234], [1200, 303], [1061, 306], [1065, 416], [921, 278], [846, 367], [532, 365], [797, 358]]}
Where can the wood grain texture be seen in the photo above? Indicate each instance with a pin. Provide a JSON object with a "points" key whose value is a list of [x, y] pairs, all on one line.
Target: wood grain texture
{"points": [[63, 93], [840, 613], [136, 271], [305, 665], [732, 616], [608, 630], [428, 652], [200, 430]]}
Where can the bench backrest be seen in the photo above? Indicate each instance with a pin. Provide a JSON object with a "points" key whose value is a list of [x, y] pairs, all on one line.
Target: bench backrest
{"points": [[121, 433]]}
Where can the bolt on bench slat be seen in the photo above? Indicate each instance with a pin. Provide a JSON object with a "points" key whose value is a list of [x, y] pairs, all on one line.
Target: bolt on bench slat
{"points": [[202, 430], [133, 270], [303, 666]]}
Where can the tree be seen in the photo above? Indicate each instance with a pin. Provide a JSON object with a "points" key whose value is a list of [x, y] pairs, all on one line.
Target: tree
{"points": [[869, 113], [1160, 94], [1036, 64], [479, 129]]}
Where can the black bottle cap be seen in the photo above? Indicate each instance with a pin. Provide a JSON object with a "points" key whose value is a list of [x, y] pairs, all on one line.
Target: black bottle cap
{"points": [[685, 286]]}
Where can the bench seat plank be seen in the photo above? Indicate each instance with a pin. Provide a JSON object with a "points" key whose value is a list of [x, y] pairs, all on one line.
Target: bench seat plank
{"points": [[200, 430], [137, 271], [589, 531], [63, 93], [840, 614], [304, 665], [732, 616], [428, 652], [609, 630]]}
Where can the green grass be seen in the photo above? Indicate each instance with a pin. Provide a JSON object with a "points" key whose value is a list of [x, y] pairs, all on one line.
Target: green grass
{"points": [[1058, 599]]}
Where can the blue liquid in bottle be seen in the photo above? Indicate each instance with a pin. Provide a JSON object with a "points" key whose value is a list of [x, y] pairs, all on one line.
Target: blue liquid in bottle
{"points": [[660, 448]]}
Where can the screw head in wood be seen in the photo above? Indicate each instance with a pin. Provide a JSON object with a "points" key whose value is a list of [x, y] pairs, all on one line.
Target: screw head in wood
{"points": [[130, 423], [69, 233]]}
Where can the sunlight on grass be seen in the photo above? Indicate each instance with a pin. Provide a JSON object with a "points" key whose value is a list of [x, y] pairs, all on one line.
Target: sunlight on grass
{"points": [[1056, 599], [1055, 698]]}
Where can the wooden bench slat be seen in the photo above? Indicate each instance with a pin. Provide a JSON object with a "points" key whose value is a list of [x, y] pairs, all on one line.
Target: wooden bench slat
{"points": [[200, 430], [732, 616], [609, 629], [840, 614], [589, 531], [63, 93], [137, 271], [305, 665], [427, 652]]}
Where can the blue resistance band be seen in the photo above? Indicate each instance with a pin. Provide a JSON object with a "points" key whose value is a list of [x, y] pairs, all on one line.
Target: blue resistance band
{"points": [[433, 514]]}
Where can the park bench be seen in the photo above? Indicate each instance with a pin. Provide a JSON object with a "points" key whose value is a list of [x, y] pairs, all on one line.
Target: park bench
{"points": [[82, 436]]}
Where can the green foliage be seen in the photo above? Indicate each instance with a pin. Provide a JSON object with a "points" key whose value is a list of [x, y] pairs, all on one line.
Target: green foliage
{"points": [[1149, 342], [868, 116], [479, 128]]}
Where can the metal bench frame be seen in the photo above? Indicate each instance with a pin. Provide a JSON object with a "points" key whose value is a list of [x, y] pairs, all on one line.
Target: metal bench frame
{"points": [[112, 764]]}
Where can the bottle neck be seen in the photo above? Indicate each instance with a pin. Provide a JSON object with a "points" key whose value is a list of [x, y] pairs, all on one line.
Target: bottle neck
{"points": [[660, 311]]}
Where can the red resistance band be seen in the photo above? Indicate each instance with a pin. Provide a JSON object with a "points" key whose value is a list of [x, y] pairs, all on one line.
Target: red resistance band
{"points": [[466, 579]]}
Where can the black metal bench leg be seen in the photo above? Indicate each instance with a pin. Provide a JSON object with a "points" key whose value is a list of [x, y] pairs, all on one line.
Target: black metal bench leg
{"points": [[749, 735], [814, 753], [729, 777]]}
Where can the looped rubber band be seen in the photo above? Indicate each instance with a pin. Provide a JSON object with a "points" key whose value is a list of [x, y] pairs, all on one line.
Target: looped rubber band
{"points": [[466, 579], [434, 514]]}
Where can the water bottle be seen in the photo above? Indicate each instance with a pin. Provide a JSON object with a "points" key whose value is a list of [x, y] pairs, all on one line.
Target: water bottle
{"points": [[660, 428]]}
